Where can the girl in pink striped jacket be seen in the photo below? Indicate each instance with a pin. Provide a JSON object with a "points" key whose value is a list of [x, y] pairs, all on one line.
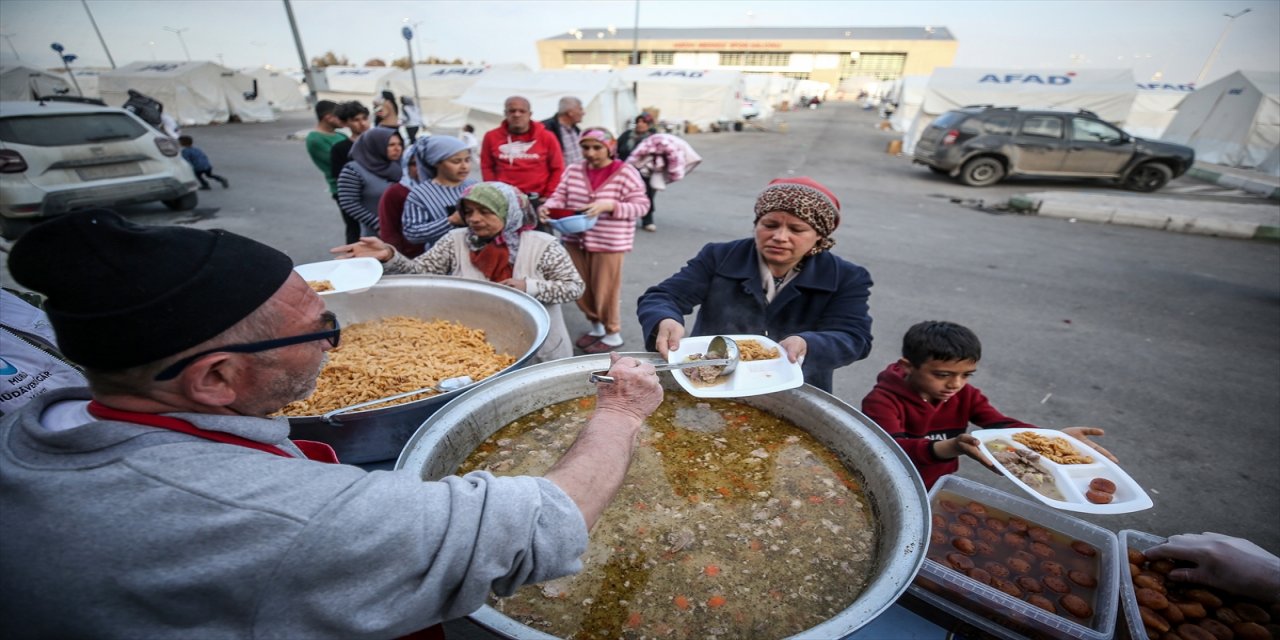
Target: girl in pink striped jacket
{"points": [[601, 185]]}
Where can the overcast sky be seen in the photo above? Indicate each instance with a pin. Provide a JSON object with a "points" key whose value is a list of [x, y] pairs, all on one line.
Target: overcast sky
{"points": [[1173, 38]]}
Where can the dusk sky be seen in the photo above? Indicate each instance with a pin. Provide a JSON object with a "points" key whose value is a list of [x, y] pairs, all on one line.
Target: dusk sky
{"points": [[1173, 38]]}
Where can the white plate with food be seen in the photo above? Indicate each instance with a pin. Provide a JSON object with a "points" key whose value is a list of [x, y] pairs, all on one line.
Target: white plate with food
{"points": [[1061, 471], [352, 275], [762, 368]]}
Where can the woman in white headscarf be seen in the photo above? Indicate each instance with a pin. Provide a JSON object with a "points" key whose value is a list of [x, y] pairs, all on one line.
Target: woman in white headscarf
{"points": [[499, 246], [444, 172]]}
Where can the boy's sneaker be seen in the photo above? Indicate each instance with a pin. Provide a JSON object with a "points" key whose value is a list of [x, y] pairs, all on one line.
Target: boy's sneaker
{"points": [[225, 183], [206, 188]]}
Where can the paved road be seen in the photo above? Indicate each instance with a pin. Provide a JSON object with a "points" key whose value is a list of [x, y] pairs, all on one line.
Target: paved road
{"points": [[1168, 341]]}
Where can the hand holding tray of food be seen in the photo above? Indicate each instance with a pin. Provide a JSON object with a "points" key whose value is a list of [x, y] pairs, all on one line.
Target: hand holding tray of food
{"points": [[351, 275], [762, 368], [1061, 471]]}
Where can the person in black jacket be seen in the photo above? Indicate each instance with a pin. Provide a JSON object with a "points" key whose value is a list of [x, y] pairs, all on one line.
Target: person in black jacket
{"points": [[354, 116], [565, 127]]}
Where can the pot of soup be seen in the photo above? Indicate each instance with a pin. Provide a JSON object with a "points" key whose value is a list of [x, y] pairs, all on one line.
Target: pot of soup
{"points": [[406, 333], [782, 515]]}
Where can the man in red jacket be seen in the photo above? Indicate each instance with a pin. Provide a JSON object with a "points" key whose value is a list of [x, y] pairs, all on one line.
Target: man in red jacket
{"points": [[521, 152], [925, 402]]}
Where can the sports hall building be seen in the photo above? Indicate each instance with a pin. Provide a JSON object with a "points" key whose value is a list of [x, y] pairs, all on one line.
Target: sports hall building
{"points": [[823, 54]]}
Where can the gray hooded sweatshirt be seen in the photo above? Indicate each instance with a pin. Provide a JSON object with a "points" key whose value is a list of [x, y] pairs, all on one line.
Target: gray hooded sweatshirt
{"points": [[117, 530]]}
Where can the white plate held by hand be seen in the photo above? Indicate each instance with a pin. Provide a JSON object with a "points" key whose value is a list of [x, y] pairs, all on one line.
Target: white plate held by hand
{"points": [[752, 377], [1071, 480], [352, 275]]}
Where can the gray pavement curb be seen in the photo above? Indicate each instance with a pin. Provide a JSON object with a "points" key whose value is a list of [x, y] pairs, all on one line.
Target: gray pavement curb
{"points": [[1136, 217], [1236, 182]]}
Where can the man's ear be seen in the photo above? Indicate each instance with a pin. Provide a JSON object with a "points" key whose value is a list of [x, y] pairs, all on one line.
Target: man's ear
{"points": [[211, 380]]}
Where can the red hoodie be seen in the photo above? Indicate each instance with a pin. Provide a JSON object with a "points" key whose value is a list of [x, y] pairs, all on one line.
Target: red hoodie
{"points": [[914, 422], [531, 161]]}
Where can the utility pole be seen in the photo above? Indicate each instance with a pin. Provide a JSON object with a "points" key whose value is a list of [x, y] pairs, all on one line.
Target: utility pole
{"points": [[180, 40], [635, 37], [302, 55], [9, 38], [407, 32], [1204, 72], [97, 31]]}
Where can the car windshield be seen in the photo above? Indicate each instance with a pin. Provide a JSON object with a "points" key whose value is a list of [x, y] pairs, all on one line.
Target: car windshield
{"points": [[69, 129]]}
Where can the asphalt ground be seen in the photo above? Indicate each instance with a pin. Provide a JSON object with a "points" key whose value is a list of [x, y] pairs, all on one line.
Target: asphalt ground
{"points": [[1170, 342]]}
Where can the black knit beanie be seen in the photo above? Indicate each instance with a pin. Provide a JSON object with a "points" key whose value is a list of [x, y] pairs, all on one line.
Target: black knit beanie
{"points": [[122, 295]]}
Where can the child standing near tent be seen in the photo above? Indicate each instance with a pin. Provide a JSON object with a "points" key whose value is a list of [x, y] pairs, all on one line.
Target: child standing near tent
{"points": [[200, 162]]}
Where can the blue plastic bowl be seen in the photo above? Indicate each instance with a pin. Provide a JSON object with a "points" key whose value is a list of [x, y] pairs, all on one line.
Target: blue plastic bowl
{"points": [[574, 224]]}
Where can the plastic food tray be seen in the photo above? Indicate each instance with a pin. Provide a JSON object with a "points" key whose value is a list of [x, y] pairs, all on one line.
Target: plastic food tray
{"points": [[1000, 614], [352, 275], [1072, 480], [751, 378], [1140, 541]]}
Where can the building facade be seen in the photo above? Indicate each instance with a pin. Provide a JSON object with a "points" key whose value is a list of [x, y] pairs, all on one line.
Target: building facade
{"points": [[823, 54]]}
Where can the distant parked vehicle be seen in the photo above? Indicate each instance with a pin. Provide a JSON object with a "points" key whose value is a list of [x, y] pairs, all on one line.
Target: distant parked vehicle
{"points": [[56, 157], [750, 109], [983, 145]]}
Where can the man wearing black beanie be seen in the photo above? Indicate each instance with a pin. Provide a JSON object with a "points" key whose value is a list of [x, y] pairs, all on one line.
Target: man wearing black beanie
{"points": [[166, 503]]}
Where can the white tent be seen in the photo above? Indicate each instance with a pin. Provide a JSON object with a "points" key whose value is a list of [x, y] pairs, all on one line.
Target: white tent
{"points": [[607, 100], [87, 79], [770, 91], [280, 90], [19, 82], [908, 94], [438, 87], [811, 89], [1155, 107], [1107, 92], [691, 95], [246, 100], [1233, 121], [364, 81], [193, 93]]}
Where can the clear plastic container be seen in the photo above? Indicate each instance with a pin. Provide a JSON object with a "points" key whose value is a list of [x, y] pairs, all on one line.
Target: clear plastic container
{"points": [[1140, 541], [1007, 617]]}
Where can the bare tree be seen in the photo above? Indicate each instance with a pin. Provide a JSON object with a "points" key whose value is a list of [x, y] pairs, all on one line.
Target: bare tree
{"points": [[375, 62], [330, 59]]}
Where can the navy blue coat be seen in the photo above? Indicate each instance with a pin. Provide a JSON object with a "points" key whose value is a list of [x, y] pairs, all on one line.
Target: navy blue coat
{"points": [[826, 304]]}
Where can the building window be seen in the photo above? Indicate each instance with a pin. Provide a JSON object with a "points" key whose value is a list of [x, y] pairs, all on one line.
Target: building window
{"points": [[767, 60], [611, 58], [731, 59], [666, 58], [881, 66]]}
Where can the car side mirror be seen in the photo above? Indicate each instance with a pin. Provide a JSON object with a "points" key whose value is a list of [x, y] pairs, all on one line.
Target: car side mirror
{"points": [[1121, 140]]}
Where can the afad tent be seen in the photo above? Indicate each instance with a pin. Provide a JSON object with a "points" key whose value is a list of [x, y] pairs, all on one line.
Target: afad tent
{"points": [[908, 96], [607, 100], [26, 83], [769, 91], [1109, 93], [86, 79], [1233, 121], [193, 93], [280, 90], [438, 87], [355, 83], [688, 95], [1155, 107]]}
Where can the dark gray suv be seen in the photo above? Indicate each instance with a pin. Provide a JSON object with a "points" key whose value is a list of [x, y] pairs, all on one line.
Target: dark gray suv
{"points": [[982, 145]]}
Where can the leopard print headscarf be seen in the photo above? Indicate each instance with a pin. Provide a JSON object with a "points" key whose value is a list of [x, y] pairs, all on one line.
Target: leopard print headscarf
{"points": [[806, 199]]}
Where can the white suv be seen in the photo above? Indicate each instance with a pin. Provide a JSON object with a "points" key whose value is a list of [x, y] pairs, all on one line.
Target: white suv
{"points": [[56, 157]]}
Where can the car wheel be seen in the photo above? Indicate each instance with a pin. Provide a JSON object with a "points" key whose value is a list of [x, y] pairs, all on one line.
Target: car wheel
{"points": [[185, 203], [982, 172], [1148, 177], [939, 170]]}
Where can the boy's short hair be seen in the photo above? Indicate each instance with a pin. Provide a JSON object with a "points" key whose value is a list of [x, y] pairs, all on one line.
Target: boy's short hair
{"points": [[349, 110], [940, 340], [325, 108], [185, 141]]}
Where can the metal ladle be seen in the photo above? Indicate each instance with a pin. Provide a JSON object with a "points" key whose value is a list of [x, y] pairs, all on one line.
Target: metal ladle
{"points": [[445, 386], [718, 344]]}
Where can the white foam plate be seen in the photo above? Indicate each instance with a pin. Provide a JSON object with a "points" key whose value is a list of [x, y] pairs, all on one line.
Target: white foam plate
{"points": [[352, 275], [751, 378], [1072, 480]]}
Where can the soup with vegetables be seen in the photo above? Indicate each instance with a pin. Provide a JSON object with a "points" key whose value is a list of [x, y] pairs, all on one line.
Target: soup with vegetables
{"points": [[731, 523]]}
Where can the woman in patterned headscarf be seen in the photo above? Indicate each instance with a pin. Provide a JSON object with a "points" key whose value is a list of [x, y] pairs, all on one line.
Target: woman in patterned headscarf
{"points": [[496, 245], [784, 284]]}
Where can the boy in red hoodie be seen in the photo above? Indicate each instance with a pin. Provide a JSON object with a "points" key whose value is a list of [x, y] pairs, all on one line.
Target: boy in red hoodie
{"points": [[925, 402]]}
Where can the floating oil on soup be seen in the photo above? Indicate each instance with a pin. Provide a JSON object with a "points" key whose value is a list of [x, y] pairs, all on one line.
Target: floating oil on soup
{"points": [[731, 523]]}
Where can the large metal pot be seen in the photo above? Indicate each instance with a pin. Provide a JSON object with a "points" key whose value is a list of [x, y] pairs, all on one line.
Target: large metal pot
{"points": [[513, 322], [893, 487]]}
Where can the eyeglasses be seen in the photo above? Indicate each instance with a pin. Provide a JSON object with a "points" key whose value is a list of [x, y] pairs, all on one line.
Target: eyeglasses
{"points": [[332, 334]]}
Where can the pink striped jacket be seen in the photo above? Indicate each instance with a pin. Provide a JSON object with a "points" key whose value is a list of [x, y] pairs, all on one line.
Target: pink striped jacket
{"points": [[615, 230]]}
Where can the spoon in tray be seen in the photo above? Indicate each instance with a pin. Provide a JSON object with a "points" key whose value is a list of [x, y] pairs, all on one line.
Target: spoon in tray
{"points": [[725, 348]]}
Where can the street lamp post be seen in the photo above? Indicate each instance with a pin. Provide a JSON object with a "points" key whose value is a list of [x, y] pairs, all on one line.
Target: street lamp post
{"points": [[1231, 19], [407, 32], [99, 32], [67, 59], [8, 37], [181, 40]]}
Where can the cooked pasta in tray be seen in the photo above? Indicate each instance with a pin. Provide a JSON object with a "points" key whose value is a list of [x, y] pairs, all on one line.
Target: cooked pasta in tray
{"points": [[398, 354]]}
